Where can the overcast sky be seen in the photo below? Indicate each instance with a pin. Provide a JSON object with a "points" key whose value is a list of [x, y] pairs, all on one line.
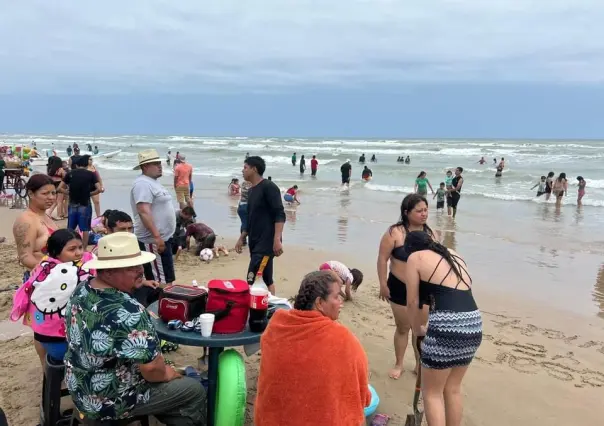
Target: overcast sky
{"points": [[458, 68]]}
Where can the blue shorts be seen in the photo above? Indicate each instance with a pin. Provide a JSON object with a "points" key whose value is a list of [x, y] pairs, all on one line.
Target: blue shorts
{"points": [[56, 350], [79, 217], [289, 198]]}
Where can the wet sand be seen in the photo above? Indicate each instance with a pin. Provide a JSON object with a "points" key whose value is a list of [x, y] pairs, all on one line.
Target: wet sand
{"points": [[538, 365]]}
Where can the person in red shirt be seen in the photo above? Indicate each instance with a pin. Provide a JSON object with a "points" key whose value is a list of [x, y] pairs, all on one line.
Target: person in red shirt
{"points": [[314, 164], [204, 236], [183, 176], [291, 195]]}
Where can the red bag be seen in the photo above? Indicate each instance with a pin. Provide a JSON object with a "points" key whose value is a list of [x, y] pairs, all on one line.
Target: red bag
{"points": [[229, 301], [182, 302]]}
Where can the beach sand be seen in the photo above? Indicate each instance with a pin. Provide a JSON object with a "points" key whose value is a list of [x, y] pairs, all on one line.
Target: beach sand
{"points": [[536, 365]]}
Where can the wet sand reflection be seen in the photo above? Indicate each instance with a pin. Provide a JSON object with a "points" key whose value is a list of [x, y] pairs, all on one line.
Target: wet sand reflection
{"points": [[343, 217], [598, 292]]}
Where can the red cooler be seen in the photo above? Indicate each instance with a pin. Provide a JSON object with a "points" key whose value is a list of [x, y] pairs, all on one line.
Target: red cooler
{"points": [[229, 301]]}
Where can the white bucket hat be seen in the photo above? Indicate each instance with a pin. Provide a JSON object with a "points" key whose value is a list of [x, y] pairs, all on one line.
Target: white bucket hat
{"points": [[147, 156], [119, 250]]}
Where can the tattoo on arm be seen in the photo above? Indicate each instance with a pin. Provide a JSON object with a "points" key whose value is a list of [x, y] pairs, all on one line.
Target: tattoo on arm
{"points": [[20, 232]]}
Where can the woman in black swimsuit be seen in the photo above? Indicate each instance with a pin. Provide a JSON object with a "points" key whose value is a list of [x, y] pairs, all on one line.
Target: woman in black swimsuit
{"points": [[414, 214], [454, 330]]}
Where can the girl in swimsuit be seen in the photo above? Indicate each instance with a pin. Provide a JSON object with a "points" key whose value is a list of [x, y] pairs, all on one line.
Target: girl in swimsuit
{"points": [[96, 199], [581, 191], [33, 227], [560, 188], [56, 173], [454, 330], [414, 214]]}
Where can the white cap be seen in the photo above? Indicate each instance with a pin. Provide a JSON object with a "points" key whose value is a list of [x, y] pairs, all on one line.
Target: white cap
{"points": [[348, 160]]}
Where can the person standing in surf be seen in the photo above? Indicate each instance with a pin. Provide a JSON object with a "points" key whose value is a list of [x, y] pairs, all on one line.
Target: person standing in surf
{"points": [[421, 184], [500, 168], [366, 174], [455, 191], [293, 159], [581, 190], [549, 183], [560, 188], [265, 221], [414, 217], [314, 165], [346, 171], [302, 165]]}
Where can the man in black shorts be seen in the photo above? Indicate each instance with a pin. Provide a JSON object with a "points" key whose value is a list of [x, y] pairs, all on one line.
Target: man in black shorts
{"points": [[264, 227], [455, 191], [346, 170]]}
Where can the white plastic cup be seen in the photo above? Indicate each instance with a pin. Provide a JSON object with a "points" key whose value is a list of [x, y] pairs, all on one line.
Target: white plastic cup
{"points": [[207, 323]]}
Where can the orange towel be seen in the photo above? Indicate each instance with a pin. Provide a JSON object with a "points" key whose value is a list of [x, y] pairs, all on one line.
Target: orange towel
{"points": [[312, 371]]}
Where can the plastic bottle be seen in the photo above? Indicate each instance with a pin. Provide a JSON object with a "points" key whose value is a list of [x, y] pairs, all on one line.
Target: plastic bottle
{"points": [[194, 284], [259, 283]]}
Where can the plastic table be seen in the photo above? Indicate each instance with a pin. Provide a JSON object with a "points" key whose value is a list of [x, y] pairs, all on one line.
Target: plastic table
{"points": [[216, 344]]}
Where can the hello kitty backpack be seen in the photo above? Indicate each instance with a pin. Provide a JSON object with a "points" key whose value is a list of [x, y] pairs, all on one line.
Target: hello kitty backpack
{"points": [[42, 300]]}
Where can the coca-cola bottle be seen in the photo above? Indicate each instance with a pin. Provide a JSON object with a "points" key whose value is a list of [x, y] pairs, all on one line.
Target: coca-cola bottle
{"points": [[259, 295]]}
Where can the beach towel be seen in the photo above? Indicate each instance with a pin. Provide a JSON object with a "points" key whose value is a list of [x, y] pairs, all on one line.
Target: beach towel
{"points": [[42, 299], [313, 370]]}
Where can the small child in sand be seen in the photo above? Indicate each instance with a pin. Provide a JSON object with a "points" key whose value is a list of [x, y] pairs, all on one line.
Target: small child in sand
{"points": [[350, 278]]}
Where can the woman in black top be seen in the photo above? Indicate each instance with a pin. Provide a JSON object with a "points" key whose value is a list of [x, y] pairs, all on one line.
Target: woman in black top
{"points": [[302, 164], [454, 329], [414, 216]]}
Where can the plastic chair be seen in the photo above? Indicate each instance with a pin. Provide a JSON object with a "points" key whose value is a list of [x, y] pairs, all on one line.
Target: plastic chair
{"points": [[54, 372]]}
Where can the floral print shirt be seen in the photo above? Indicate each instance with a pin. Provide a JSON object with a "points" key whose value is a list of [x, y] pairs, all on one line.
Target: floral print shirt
{"points": [[109, 334]]}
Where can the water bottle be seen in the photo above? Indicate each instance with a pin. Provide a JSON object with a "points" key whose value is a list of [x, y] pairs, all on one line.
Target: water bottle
{"points": [[259, 282]]}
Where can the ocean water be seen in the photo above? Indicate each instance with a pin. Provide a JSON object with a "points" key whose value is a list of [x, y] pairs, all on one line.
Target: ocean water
{"points": [[513, 241]]}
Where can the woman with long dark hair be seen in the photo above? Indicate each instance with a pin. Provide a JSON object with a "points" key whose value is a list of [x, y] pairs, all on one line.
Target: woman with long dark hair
{"points": [[454, 329], [57, 173], [414, 215], [560, 188]]}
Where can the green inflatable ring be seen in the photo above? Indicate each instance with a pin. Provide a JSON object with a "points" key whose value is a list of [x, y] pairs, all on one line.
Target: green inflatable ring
{"points": [[231, 393]]}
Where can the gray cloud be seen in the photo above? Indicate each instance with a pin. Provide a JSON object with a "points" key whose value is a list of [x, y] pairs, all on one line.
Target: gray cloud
{"points": [[232, 45]]}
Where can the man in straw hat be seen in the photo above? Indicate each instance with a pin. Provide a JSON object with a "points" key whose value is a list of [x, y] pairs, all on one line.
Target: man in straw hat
{"points": [[154, 219], [114, 366]]}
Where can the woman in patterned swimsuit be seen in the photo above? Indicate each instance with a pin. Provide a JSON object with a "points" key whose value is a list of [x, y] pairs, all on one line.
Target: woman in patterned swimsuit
{"points": [[454, 330]]}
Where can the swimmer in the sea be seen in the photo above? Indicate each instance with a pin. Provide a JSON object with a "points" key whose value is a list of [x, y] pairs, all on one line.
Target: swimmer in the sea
{"points": [[291, 195], [581, 190], [541, 184], [367, 174], [482, 160]]}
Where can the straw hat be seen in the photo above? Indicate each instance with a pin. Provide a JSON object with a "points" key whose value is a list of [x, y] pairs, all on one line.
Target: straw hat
{"points": [[119, 250], [147, 156]]}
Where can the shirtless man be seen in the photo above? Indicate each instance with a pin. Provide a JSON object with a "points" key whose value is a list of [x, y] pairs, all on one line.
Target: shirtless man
{"points": [[33, 227]]}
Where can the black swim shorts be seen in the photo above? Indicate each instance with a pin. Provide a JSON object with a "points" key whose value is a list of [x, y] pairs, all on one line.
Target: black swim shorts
{"points": [[455, 196], [398, 290]]}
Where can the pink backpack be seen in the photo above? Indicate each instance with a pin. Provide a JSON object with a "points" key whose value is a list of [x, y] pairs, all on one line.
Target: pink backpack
{"points": [[42, 300]]}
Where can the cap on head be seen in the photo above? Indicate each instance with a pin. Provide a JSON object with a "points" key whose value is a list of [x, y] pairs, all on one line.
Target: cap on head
{"points": [[147, 156]]}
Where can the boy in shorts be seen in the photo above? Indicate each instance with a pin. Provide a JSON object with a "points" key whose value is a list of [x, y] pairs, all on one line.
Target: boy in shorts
{"points": [[440, 193]]}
